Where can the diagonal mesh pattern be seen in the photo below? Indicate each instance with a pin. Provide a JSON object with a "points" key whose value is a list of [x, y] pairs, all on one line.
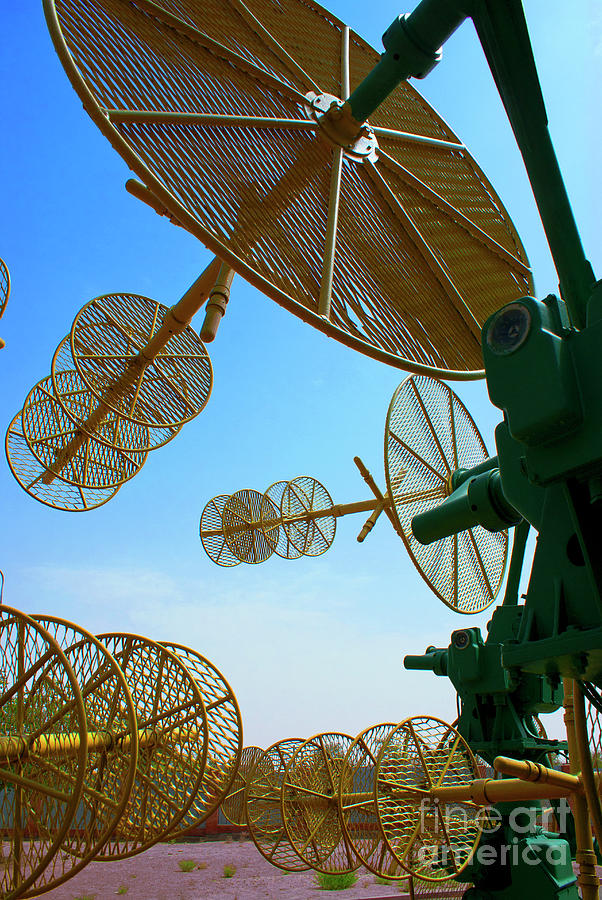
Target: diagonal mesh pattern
{"points": [[285, 547], [172, 725], [263, 810], [447, 890], [4, 286], [309, 799], [233, 806], [40, 704], [257, 192], [106, 337], [301, 497], [433, 839], [212, 533], [111, 767], [80, 404], [49, 431], [242, 520], [224, 731], [29, 473], [429, 434], [359, 814]]}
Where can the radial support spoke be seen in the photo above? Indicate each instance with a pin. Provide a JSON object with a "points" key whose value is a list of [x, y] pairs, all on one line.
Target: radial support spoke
{"points": [[418, 458], [432, 428], [203, 40], [480, 562], [455, 215], [345, 88], [271, 42], [166, 117], [408, 137], [426, 252], [331, 234]]}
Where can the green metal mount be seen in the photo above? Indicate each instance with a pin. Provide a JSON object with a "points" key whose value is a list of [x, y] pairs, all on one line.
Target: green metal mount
{"points": [[497, 705], [541, 363], [542, 368], [497, 717]]}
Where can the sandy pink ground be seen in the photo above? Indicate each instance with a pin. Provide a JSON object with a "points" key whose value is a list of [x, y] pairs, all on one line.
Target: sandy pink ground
{"points": [[155, 875]]}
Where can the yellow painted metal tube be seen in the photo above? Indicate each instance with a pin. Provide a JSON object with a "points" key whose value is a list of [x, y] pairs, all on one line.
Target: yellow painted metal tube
{"points": [[585, 760], [217, 303], [48, 745], [486, 791], [336, 511], [585, 857], [534, 772]]}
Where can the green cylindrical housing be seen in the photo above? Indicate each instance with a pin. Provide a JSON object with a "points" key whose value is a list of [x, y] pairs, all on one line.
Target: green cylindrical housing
{"points": [[412, 48], [434, 660], [478, 501]]}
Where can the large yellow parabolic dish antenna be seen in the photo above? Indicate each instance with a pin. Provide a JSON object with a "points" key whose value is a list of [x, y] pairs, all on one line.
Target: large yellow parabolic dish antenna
{"points": [[392, 242]]}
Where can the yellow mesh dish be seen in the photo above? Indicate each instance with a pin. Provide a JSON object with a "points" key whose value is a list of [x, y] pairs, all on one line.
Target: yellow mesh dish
{"points": [[172, 726], [233, 806], [49, 430], [110, 768], [359, 814], [242, 520], [431, 838], [211, 531], [106, 337], [263, 810], [224, 731], [309, 803], [284, 546], [4, 286], [40, 702], [80, 404], [301, 497], [429, 434], [29, 473], [216, 108]]}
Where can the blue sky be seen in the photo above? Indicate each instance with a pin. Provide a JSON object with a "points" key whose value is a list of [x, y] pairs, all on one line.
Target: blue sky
{"points": [[310, 645]]}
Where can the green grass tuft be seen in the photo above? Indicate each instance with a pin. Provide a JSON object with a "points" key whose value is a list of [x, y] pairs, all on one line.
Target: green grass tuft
{"points": [[335, 881], [229, 871], [187, 865], [122, 890]]}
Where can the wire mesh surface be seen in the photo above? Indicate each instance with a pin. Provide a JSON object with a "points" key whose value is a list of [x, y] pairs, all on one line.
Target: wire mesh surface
{"points": [[224, 731], [429, 434], [360, 817], [4, 286], [172, 725], [233, 807], [106, 338], [29, 473], [242, 518], [81, 404], [263, 810], [214, 543], [422, 250], [315, 775], [111, 767], [302, 496], [40, 701], [284, 546], [49, 432], [587, 706], [448, 890], [433, 839]]}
